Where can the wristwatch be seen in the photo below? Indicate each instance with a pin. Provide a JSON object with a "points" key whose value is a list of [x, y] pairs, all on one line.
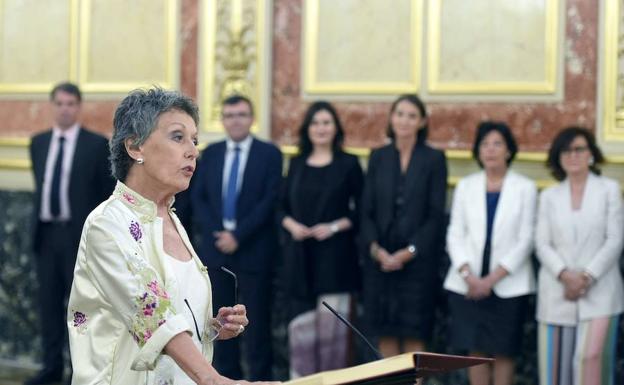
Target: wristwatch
{"points": [[412, 249], [334, 227], [464, 272]]}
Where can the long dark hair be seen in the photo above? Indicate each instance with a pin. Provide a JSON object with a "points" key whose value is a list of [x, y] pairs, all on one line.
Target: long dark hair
{"points": [[422, 134], [305, 145]]}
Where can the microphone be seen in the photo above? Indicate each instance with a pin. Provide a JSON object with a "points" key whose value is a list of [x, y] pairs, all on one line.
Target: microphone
{"points": [[353, 328]]}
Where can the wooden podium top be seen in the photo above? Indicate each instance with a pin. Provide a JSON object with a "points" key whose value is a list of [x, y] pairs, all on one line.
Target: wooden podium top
{"points": [[401, 369]]}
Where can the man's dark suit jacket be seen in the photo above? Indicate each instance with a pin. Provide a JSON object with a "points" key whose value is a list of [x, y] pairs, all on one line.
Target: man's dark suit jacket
{"points": [[90, 180], [255, 207]]}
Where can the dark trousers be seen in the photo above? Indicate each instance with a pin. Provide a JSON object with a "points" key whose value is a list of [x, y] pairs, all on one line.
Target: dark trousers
{"points": [[56, 257], [254, 291]]}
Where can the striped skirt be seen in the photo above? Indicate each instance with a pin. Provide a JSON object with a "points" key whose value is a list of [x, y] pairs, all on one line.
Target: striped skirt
{"points": [[318, 340], [578, 355]]}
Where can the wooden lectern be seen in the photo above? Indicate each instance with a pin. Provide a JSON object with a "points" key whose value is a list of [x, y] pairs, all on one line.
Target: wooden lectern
{"points": [[397, 370]]}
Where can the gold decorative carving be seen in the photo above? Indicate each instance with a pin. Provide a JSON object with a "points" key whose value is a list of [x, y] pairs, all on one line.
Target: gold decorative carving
{"points": [[232, 57], [235, 54]]}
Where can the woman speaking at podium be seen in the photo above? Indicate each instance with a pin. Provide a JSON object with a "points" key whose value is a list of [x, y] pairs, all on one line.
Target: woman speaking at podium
{"points": [[401, 229], [140, 309]]}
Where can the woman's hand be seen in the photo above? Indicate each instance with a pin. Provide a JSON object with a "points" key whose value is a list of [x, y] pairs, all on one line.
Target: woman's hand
{"points": [[235, 321], [575, 284], [298, 231], [388, 261], [478, 288], [321, 231]]}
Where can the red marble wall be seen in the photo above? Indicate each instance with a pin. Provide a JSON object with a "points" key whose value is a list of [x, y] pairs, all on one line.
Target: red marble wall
{"points": [[23, 118], [451, 125]]}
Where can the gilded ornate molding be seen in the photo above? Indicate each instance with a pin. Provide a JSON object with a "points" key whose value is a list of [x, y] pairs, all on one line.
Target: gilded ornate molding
{"points": [[35, 86], [313, 84], [166, 36], [612, 128], [233, 57], [548, 85], [234, 53]]}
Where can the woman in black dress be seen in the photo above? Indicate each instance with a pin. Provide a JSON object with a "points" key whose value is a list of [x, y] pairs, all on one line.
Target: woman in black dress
{"points": [[319, 206], [402, 231]]}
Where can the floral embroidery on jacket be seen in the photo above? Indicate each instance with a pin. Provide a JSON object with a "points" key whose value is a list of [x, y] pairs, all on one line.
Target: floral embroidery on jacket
{"points": [[153, 304], [128, 197], [80, 322], [135, 231]]}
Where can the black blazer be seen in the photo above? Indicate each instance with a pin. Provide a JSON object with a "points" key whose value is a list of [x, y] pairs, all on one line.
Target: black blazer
{"points": [[425, 198], [335, 259], [90, 181], [255, 208]]}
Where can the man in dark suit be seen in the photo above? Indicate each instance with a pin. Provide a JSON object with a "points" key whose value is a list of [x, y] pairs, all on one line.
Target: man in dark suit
{"points": [[71, 172], [234, 196]]}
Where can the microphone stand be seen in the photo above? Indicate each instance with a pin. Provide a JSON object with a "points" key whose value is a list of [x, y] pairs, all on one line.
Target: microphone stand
{"points": [[353, 328]]}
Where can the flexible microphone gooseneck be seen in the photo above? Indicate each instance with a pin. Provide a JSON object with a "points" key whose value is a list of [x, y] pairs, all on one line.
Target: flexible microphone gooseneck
{"points": [[353, 328]]}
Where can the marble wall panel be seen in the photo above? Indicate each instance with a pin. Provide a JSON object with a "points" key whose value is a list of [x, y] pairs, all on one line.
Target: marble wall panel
{"points": [[485, 41], [128, 44], [355, 47], [22, 39], [23, 115], [19, 334], [452, 122]]}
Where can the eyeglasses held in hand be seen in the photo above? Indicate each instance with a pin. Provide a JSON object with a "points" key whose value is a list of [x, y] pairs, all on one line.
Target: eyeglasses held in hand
{"points": [[231, 274], [215, 324]]}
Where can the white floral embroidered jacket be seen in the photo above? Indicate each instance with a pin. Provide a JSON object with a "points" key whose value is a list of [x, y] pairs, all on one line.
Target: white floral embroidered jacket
{"points": [[123, 301]]}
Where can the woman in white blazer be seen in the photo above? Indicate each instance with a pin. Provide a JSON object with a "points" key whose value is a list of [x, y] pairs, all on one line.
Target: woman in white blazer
{"points": [[489, 241], [579, 242]]}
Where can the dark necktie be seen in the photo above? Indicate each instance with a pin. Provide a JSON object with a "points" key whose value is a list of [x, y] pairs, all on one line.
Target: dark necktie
{"points": [[229, 206], [55, 190]]}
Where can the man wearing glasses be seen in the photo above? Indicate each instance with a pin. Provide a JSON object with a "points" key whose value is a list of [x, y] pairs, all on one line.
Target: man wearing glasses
{"points": [[234, 195]]}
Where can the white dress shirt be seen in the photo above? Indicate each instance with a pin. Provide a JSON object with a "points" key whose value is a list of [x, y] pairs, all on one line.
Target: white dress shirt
{"points": [[245, 146], [192, 287], [71, 136]]}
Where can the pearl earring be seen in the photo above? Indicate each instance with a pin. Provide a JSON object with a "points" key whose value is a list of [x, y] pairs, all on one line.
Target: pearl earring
{"points": [[591, 160], [140, 161]]}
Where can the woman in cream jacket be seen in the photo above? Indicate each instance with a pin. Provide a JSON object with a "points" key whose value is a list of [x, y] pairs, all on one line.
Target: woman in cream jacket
{"points": [[579, 242], [489, 240], [140, 305]]}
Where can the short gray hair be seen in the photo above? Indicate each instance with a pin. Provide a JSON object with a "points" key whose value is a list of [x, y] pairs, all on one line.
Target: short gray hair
{"points": [[136, 118]]}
